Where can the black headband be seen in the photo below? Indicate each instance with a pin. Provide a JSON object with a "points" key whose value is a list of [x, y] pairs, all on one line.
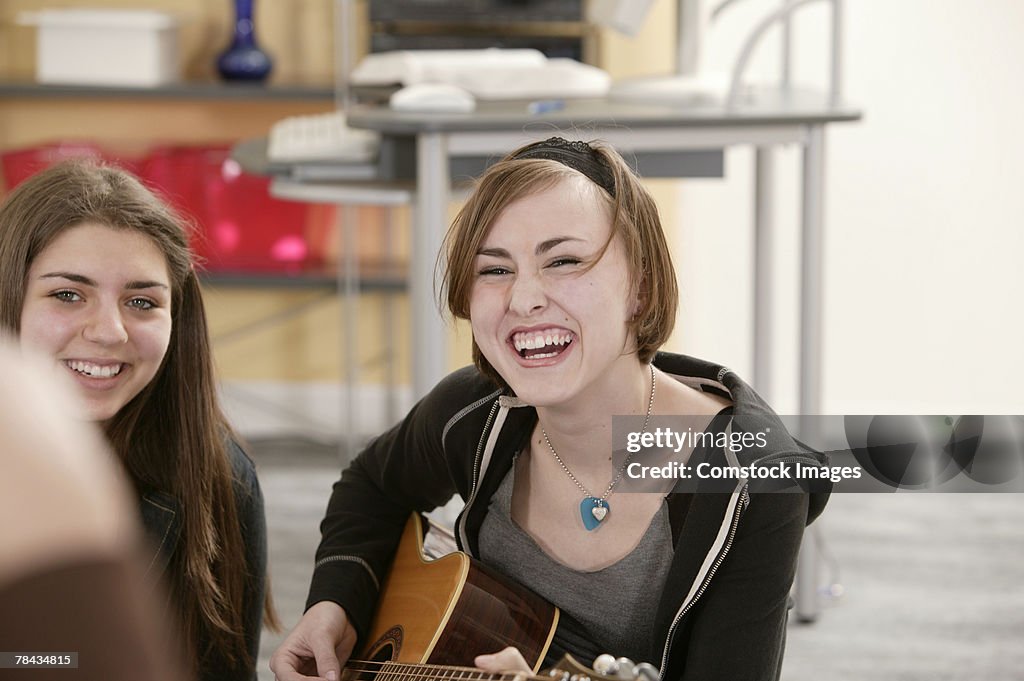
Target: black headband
{"points": [[579, 156]]}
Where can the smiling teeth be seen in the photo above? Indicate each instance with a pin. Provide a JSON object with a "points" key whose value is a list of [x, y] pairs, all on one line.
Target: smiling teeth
{"points": [[538, 340], [95, 370]]}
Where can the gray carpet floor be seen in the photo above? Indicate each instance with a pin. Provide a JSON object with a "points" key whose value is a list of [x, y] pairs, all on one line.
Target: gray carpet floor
{"points": [[914, 586]]}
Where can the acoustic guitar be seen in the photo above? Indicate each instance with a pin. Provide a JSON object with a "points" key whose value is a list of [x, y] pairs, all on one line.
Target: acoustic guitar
{"points": [[444, 612]]}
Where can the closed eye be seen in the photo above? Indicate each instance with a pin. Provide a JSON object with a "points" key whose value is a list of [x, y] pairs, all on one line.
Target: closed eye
{"points": [[493, 270], [564, 261]]}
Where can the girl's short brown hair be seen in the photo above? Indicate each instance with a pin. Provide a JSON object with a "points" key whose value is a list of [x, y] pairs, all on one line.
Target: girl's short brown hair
{"points": [[539, 166]]}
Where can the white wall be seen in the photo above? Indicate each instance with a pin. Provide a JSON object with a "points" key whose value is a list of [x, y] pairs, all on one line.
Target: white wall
{"points": [[924, 213]]}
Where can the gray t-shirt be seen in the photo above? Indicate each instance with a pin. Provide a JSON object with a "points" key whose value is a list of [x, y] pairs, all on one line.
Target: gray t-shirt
{"points": [[610, 610]]}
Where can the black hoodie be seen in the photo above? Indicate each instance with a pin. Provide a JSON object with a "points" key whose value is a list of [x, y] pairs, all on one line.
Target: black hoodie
{"points": [[722, 614]]}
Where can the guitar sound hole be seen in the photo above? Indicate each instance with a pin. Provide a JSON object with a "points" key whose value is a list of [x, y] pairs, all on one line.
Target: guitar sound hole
{"points": [[386, 649], [384, 653]]}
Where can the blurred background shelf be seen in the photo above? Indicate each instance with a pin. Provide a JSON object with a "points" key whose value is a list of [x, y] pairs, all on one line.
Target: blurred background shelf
{"points": [[212, 90], [374, 277]]}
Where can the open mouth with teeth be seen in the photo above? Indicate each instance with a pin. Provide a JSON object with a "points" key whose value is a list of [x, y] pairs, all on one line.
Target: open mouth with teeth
{"points": [[542, 344], [94, 370]]}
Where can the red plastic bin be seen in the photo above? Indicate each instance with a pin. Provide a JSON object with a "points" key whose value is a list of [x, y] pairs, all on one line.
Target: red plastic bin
{"points": [[241, 228]]}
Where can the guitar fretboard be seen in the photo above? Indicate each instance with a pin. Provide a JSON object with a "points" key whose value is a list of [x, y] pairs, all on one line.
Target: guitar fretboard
{"points": [[394, 671]]}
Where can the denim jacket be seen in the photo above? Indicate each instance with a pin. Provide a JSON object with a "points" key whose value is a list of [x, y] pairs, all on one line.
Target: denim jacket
{"points": [[162, 519]]}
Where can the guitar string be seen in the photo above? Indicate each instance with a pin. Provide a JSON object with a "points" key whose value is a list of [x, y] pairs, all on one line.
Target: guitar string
{"points": [[448, 675], [430, 671], [451, 675], [464, 675], [371, 663], [436, 673]]}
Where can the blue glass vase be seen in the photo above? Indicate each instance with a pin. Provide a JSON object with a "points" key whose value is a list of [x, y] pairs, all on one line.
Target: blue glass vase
{"points": [[244, 60]]}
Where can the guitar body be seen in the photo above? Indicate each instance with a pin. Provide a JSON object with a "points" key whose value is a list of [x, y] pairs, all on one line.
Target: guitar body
{"points": [[447, 611]]}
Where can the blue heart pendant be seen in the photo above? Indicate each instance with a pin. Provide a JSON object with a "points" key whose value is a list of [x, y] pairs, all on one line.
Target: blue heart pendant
{"points": [[593, 511]]}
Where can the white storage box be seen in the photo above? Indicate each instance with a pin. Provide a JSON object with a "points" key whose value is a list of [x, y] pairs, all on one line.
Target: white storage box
{"points": [[105, 46]]}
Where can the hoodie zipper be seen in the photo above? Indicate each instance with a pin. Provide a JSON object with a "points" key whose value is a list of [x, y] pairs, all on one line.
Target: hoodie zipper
{"points": [[743, 502], [476, 469]]}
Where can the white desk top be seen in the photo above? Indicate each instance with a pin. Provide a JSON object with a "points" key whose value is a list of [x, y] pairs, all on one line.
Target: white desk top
{"points": [[763, 108]]}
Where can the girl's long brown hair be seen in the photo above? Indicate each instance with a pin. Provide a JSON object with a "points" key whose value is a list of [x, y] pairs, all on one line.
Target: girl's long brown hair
{"points": [[172, 436]]}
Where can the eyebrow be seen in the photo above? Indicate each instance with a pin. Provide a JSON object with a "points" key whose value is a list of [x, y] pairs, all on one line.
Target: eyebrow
{"points": [[86, 281], [542, 248]]}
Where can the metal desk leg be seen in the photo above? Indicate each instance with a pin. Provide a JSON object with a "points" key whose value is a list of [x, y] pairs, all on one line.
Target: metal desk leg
{"points": [[388, 322], [810, 336], [429, 342], [350, 303], [813, 251], [806, 596], [764, 228]]}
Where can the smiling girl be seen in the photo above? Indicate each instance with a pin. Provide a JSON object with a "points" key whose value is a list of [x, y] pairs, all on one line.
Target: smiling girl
{"points": [[559, 262], [96, 273]]}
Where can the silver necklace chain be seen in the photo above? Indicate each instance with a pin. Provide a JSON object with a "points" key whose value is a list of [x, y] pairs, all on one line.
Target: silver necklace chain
{"points": [[622, 469]]}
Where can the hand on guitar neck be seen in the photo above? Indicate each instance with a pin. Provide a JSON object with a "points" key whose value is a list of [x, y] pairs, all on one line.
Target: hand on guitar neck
{"points": [[507, 660], [320, 646]]}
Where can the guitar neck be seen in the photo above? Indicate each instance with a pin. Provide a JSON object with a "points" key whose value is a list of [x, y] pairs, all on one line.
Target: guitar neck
{"points": [[364, 670]]}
